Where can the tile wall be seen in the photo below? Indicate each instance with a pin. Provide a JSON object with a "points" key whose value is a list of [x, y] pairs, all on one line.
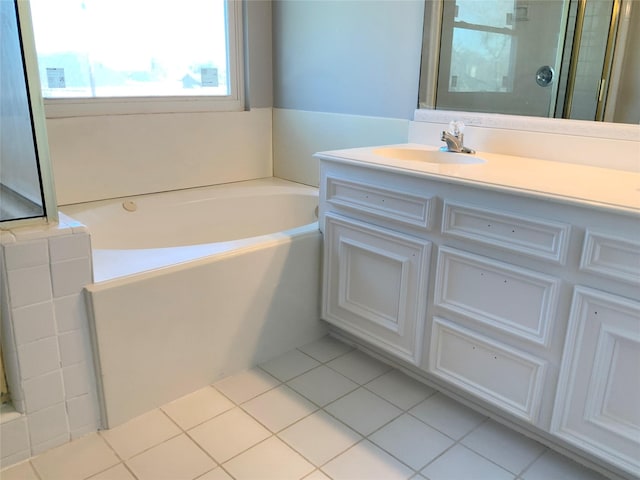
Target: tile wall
{"points": [[45, 338]]}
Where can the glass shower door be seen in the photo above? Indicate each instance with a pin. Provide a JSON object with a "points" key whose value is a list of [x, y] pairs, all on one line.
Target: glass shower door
{"points": [[501, 56]]}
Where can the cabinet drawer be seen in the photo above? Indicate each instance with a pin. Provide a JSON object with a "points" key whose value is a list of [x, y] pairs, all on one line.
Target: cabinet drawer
{"points": [[543, 239], [598, 399], [393, 205], [375, 285], [611, 256], [511, 299], [491, 370]]}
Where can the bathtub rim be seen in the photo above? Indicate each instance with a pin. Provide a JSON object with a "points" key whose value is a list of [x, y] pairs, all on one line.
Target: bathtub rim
{"points": [[248, 244]]}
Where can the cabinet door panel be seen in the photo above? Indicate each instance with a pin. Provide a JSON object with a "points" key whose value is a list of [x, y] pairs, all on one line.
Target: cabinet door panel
{"points": [[598, 400], [375, 285]]}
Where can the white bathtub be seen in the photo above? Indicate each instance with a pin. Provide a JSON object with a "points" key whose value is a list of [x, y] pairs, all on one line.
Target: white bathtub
{"points": [[195, 285]]}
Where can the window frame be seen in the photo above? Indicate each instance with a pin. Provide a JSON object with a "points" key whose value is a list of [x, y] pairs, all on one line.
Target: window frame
{"points": [[79, 107]]}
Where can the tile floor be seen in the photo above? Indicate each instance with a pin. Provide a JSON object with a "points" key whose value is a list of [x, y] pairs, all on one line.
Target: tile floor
{"points": [[323, 411]]}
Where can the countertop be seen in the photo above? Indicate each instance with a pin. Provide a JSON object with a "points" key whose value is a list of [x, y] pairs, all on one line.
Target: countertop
{"points": [[597, 187]]}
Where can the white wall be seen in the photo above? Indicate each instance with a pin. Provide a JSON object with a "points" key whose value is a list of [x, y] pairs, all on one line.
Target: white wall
{"points": [[356, 57], [346, 74]]}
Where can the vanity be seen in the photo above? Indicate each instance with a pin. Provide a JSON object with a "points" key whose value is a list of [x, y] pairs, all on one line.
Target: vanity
{"points": [[510, 283]]}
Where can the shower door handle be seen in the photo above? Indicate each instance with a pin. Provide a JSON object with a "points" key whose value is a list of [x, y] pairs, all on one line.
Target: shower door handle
{"points": [[544, 76]]}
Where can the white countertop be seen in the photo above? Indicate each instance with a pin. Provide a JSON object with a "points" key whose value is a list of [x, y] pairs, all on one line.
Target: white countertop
{"points": [[572, 183]]}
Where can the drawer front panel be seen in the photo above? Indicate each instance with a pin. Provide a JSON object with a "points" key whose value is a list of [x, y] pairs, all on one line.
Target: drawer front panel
{"points": [[511, 299], [493, 371], [402, 208], [375, 285], [611, 256], [543, 239]]}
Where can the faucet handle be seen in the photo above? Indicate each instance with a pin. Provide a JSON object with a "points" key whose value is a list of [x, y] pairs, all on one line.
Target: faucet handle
{"points": [[456, 128]]}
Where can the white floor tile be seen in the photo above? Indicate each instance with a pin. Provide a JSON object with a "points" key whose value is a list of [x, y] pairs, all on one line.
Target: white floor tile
{"points": [[271, 459], [197, 407], [447, 415], [279, 408], [289, 365], [554, 466], [75, 460], [359, 367], [503, 446], [228, 434], [140, 434], [410, 440], [177, 458], [245, 385], [400, 389], [325, 349], [319, 437], [462, 463], [363, 411], [216, 474], [22, 471], [322, 385], [365, 461], [119, 472]]}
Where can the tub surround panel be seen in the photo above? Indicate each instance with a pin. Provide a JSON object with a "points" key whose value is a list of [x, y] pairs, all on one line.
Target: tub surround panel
{"points": [[120, 155], [298, 134], [51, 379], [148, 355]]}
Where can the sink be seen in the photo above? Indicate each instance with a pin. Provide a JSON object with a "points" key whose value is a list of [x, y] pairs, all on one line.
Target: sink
{"points": [[427, 156]]}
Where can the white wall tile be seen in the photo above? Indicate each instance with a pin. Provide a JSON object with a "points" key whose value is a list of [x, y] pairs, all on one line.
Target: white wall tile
{"points": [[69, 247], [29, 285], [13, 437], [70, 312], [43, 391], [38, 358], [77, 379], [70, 276], [26, 254], [48, 424], [82, 412], [74, 347], [33, 322], [50, 443]]}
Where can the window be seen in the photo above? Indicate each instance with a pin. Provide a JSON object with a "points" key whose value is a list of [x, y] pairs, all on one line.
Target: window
{"points": [[135, 56]]}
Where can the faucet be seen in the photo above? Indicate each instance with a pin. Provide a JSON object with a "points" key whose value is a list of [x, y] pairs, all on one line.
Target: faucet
{"points": [[455, 139]]}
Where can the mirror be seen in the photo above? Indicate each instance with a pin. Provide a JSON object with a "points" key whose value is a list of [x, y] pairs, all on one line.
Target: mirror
{"points": [[546, 58]]}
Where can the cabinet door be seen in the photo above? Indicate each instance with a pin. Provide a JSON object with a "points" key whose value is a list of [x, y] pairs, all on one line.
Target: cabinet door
{"points": [[598, 400], [375, 285]]}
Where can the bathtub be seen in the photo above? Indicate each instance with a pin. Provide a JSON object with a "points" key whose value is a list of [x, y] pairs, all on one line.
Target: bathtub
{"points": [[194, 285]]}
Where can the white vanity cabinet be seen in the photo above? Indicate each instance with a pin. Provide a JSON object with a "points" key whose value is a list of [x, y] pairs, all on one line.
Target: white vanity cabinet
{"points": [[525, 305]]}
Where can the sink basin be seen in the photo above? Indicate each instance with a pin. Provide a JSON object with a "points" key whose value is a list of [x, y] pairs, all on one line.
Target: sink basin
{"points": [[427, 156]]}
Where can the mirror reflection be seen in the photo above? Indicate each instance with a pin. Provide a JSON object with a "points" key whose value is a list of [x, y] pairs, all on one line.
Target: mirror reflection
{"points": [[20, 192], [548, 58]]}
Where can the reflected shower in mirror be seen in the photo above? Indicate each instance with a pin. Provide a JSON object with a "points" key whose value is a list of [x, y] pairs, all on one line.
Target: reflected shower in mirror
{"points": [[20, 189], [548, 58]]}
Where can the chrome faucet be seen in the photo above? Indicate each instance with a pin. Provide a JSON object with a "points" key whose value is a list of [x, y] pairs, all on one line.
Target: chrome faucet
{"points": [[455, 139]]}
